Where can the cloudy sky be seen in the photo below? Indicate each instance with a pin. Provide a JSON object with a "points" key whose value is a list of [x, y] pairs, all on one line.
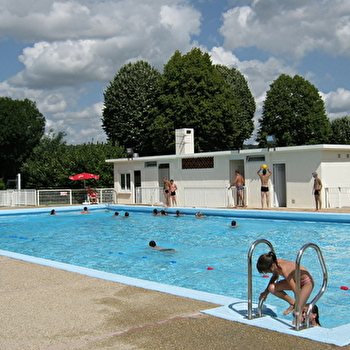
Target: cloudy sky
{"points": [[63, 54]]}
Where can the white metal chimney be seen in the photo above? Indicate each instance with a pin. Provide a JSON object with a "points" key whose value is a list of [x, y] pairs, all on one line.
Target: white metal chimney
{"points": [[184, 141]]}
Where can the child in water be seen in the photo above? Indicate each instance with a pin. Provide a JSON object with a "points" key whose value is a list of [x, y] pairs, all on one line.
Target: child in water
{"points": [[314, 316], [268, 263]]}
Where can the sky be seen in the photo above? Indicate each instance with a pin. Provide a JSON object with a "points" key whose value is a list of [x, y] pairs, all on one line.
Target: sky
{"points": [[63, 54]]}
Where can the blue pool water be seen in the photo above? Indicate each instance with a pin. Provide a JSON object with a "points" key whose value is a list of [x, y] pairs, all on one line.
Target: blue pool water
{"points": [[103, 242]]}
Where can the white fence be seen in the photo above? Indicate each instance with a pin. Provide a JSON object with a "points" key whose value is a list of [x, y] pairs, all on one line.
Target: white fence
{"points": [[23, 198], [149, 195], [337, 197], [17, 198], [220, 197], [203, 197]]}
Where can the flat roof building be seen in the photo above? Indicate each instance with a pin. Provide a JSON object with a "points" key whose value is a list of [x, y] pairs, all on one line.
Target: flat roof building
{"points": [[203, 178]]}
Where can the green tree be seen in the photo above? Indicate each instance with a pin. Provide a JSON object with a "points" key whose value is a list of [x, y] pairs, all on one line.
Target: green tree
{"points": [[294, 113], [128, 103], [246, 103], [22, 126], [194, 94], [53, 161], [44, 168], [91, 158], [341, 131]]}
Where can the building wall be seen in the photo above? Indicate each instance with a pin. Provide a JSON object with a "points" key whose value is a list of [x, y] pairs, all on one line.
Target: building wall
{"points": [[331, 163]]}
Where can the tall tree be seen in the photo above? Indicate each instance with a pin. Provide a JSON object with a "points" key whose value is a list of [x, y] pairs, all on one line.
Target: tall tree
{"points": [[294, 113], [193, 94], [341, 131], [22, 126], [128, 102], [246, 103]]}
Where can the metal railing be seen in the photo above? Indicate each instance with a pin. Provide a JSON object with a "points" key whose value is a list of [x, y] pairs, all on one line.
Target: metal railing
{"points": [[17, 198], [337, 197], [204, 197], [149, 195], [250, 278], [24, 198], [297, 282], [71, 197]]}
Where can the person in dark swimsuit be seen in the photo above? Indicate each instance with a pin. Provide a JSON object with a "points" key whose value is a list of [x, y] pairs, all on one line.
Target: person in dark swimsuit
{"points": [[316, 189], [264, 175], [173, 189]]}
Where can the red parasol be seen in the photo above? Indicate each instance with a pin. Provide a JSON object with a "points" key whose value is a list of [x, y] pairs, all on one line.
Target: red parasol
{"points": [[84, 176]]}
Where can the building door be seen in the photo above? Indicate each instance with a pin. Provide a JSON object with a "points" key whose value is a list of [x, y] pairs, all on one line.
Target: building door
{"points": [[237, 164], [279, 185], [137, 185]]}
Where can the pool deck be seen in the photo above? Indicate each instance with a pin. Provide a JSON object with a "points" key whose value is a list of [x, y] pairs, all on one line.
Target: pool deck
{"points": [[48, 308]]}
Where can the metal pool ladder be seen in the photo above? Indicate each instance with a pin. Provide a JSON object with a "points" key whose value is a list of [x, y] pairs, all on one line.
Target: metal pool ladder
{"points": [[297, 282], [297, 278], [250, 278]]}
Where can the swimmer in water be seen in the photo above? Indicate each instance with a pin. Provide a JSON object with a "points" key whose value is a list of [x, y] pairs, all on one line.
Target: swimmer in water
{"points": [[233, 224], [153, 245]]}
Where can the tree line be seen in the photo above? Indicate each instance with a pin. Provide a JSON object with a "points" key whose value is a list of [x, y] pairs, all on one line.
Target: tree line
{"points": [[142, 109]]}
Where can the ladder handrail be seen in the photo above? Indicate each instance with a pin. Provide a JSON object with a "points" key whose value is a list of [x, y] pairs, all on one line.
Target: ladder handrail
{"points": [[297, 281], [250, 277]]}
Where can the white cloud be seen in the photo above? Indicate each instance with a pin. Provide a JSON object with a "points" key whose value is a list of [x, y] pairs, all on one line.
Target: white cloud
{"points": [[82, 51], [291, 28], [84, 125], [71, 45], [337, 103]]}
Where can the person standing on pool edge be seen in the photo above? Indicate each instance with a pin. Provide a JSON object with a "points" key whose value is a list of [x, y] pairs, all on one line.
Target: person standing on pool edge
{"points": [[173, 189], [166, 191], [316, 190], [265, 193], [239, 183], [268, 263]]}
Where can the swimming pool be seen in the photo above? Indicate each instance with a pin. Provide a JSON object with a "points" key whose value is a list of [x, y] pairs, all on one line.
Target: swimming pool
{"points": [[115, 245]]}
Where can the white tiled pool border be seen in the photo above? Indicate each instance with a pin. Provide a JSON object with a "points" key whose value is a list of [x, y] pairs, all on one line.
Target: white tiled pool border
{"points": [[339, 336]]}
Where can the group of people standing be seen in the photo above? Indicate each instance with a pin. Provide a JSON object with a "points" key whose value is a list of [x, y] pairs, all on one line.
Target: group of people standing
{"points": [[169, 190], [264, 174]]}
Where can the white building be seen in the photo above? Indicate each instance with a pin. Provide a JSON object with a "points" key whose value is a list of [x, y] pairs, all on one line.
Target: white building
{"points": [[203, 178]]}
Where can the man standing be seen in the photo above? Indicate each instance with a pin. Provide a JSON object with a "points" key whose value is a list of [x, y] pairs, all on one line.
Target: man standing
{"points": [[265, 193], [239, 183], [316, 189], [173, 189]]}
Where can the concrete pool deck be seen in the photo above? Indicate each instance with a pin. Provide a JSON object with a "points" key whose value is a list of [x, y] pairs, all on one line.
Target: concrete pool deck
{"points": [[47, 308]]}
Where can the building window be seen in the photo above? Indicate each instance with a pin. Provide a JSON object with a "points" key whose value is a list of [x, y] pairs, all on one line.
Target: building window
{"points": [[125, 182], [150, 164], [198, 163], [255, 159]]}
